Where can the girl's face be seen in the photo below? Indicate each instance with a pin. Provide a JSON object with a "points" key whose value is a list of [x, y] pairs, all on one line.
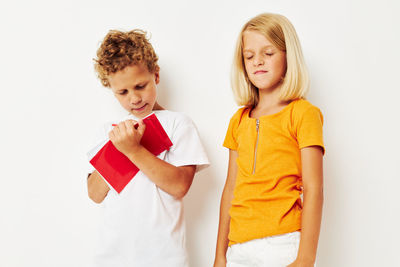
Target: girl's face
{"points": [[265, 64]]}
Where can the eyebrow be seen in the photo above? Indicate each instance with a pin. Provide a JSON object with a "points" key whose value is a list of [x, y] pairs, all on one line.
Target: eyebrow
{"points": [[264, 47], [140, 83]]}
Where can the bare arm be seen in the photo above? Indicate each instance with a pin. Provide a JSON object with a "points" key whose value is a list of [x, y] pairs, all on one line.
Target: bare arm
{"points": [[174, 180], [97, 187], [224, 218], [312, 173]]}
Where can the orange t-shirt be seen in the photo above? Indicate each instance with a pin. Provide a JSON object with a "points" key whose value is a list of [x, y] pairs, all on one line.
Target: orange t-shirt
{"points": [[268, 186]]}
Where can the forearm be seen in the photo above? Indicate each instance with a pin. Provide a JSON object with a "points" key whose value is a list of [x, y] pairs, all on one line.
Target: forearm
{"points": [[168, 177], [224, 218], [311, 224], [224, 221], [97, 187]]}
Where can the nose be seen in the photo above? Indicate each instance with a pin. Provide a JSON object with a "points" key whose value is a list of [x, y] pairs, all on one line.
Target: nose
{"points": [[135, 98], [258, 60]]}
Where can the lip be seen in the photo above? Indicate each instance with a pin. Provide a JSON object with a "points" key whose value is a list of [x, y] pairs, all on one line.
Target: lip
{"points": [[260, 72], [139, 109]]}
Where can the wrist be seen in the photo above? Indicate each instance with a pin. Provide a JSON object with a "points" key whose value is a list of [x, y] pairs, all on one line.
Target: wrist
{"points": [[220, 254], [220, 259], [134, 151], [306, 260]]}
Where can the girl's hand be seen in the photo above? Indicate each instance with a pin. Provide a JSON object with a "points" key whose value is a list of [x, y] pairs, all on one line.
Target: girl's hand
{"points": [[220, 262], [298, 263], [126, 137]]}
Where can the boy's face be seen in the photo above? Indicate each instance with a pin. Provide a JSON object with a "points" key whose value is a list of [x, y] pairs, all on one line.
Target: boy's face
{"points": [[135, 89]]}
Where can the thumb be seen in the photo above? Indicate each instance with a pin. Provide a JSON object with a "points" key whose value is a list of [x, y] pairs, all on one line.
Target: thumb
{"points": [[141, 127]]}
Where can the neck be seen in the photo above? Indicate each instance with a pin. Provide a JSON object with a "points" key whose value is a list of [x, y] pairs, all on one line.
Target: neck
{"points": [[268, 98]]}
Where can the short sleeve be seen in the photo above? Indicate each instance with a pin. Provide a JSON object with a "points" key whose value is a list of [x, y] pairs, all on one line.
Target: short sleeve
{"points": [[187, 148], [99, 140], [309, 132], [231, 134]]}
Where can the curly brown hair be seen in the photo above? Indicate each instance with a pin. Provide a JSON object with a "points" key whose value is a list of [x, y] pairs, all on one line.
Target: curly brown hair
{"points": [[122, 49]]}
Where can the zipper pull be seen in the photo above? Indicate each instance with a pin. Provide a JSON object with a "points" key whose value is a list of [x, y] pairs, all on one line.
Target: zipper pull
{"points": [[255, 149]]}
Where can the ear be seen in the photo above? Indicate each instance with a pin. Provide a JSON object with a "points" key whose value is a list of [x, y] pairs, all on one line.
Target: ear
{"points": [[157, 77]]}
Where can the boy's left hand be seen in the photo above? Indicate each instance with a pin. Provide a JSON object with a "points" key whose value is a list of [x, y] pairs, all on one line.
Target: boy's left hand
{"points": [[126, 137]]}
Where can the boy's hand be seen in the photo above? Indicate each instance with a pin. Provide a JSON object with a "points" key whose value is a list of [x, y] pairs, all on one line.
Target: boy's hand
{"points": [[126, 136]]}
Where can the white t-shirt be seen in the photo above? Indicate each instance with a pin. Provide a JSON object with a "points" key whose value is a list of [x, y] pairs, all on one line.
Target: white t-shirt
{"points": [[143, 226]]}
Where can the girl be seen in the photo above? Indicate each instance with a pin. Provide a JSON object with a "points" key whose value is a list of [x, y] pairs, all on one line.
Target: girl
{"points": [[275, 154]]}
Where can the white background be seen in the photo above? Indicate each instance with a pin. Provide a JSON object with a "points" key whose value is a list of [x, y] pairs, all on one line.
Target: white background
{"points": [[51, 105]]}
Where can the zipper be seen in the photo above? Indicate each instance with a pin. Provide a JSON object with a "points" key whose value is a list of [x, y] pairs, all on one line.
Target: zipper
{"points": [[255, 150]]}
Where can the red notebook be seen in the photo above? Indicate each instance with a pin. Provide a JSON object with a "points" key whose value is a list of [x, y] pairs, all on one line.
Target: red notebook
{"points": [[116, 168]]}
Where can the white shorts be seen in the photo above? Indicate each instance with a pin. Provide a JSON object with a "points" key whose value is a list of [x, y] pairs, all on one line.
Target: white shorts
{"points": [[273, 251]]}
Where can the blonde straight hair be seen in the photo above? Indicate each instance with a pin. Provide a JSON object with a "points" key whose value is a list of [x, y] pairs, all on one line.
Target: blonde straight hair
{"points": [[281, 33]]}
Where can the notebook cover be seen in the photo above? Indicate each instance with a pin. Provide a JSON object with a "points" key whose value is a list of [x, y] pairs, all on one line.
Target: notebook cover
{"points": [[116, 168]]}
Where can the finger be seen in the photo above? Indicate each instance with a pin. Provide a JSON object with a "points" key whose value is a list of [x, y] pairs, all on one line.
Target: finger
{"points": [[116, 130], [111, 135], [135, 124], [141, 127], [122, 127], [129, 126]]}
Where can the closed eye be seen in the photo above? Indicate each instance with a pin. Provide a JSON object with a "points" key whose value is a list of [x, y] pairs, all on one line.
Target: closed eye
{"points": [[123, 92], [248, 55], [140, 86]]}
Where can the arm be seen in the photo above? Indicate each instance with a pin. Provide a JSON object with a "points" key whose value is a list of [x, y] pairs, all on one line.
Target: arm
{"points": [[176, 181], [312, 173], [224, 218], [97, 187]]}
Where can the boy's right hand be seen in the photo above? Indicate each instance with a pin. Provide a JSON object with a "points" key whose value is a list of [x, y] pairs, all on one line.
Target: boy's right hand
{"points": [[220, 262], [126, 137]]}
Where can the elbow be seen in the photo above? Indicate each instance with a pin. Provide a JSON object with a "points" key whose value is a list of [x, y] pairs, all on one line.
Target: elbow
{"points": [[181, 191], [316, 193], [183, 186], [95, 197], [314, 190], [96, 200], [97, 188], [179, 195]]}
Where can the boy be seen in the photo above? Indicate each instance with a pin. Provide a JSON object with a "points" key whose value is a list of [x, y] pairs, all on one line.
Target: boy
{"points": [[143, 225]]}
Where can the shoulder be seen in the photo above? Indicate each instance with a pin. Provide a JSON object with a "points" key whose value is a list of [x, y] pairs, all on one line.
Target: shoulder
{"points": [[304, 111], [173, 119], [235, 120], [240, 112], [302, 107], [238, 115]]}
